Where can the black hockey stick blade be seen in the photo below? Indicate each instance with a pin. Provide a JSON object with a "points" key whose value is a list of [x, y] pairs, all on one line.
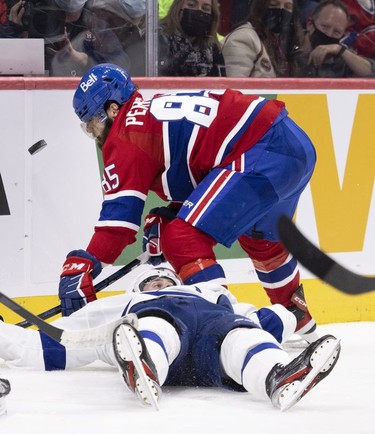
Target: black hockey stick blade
{"points": [[84, 338], [319, 263], [54, 332], [126, 269]]}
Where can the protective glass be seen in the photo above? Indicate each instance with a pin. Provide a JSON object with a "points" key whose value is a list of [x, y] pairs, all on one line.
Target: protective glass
{"points": [[94, 126]]}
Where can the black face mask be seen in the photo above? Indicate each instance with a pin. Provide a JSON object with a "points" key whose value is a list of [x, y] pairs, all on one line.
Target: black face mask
{"points": [[277, 20], [195, 23], [317, 37]]}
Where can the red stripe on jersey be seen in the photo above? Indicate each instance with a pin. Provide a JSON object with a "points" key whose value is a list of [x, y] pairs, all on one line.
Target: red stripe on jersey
{"points": [[215, 187], [238, 164]]}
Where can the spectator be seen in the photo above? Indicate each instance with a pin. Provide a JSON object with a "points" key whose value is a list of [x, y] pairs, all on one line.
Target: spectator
{"points": [[188, 44], [11, 25], [3, 11], [231, 14], [67, 53], [126, 20], [324, 56], [362, 27], [306, 8], [91, 36], [267, 43], [79, 33]]}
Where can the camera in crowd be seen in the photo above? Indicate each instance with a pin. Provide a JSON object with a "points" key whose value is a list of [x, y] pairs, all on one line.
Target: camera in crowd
{"points": [[43, 19]]}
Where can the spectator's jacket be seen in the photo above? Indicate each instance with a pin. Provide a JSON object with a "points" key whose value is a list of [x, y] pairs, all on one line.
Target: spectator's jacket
{"points": [[245, 54], [10, 30]]}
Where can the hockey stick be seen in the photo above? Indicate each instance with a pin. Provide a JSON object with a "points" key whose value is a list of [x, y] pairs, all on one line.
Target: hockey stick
{"points": [[319, 263], [69, 338], [139, 260]]}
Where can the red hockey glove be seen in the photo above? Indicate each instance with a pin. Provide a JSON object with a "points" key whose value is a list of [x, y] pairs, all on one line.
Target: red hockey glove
{"points": [[76, 287]]}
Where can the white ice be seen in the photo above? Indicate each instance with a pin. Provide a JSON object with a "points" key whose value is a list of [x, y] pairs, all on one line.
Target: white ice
{"points": [[94, 400]]}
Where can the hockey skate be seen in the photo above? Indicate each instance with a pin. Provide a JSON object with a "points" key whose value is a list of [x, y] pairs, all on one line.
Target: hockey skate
{"points": [[306, 325], [4, 391], [286, 385], [136, 365]]}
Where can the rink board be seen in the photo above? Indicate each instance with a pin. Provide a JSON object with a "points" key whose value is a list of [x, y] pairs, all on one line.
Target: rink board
{"points": [[326, 303], [42, 217]]}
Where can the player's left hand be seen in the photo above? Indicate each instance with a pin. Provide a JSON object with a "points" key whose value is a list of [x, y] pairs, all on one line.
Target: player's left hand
{"points": [[155, 223], [76, 287]]}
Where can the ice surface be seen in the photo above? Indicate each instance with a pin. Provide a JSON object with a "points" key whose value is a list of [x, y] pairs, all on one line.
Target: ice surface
{"points": [[94, 400]]}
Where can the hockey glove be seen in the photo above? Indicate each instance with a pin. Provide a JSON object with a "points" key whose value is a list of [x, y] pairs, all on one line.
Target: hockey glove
{"points": [[155, 223], [76, 287]]}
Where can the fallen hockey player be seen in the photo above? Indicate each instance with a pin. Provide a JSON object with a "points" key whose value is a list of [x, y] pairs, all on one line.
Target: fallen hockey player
{"points": [[179, 335]]}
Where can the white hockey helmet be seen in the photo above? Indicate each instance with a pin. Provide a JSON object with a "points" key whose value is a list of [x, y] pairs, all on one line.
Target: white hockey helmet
{"points": [[154, 273]]}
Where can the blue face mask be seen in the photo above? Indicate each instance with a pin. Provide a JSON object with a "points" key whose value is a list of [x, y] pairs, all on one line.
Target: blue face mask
{"points": [[134, 8]]}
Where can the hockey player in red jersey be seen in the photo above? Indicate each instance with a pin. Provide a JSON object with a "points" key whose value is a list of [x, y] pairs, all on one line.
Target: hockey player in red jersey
{"points": [[229, 164]]}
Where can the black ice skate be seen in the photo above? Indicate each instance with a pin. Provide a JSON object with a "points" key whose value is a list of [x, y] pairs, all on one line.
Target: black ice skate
{"points": [[136, 365], [286, 385], [4, 391], [306, 325]]}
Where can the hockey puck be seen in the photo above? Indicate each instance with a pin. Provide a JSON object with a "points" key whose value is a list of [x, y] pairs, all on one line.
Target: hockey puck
{"points": [[38, 146]]}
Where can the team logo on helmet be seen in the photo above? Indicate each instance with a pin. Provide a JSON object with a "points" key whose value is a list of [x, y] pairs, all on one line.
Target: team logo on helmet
{"points": [[84, 85], [100, 84]]}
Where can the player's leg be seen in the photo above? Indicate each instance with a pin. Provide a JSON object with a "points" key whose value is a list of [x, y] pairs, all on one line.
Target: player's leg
{"points": [[144, 353], [230, 201], [275, 319], [288, 165], [32, 349], [278, 273], [252, 358], [21, 348], [224, 205], [190, 252]]}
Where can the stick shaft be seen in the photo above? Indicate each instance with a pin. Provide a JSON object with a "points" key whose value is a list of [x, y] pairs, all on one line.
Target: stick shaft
{"points": [[319, 263], [126, 269]]}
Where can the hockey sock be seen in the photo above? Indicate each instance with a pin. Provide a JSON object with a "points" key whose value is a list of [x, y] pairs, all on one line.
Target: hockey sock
{"points": [[162, 342], [247, 356], [202, 270]]}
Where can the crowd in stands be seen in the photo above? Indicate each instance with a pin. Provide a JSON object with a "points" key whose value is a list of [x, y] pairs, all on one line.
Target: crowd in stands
{"points": [[233, 38]]}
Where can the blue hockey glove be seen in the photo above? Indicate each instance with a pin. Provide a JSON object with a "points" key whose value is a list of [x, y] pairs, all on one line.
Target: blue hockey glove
{"points": [[155, 223], [76, 287]]}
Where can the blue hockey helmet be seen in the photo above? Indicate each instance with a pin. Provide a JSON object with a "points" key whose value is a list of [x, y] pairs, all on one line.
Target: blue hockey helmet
{"points": [[101, 83]]}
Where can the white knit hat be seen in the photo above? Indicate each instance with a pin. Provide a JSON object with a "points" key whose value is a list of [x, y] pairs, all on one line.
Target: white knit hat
{"points": [[70, 5]]}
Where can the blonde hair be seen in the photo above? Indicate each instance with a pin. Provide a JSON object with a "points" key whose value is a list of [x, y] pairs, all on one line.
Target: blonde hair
{"points": [[171, 22]]}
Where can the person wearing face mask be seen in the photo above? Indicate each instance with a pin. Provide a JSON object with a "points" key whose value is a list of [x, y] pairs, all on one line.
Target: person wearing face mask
{"points": [[266, 43], [324, 53], [87, 38], [188, 44]]}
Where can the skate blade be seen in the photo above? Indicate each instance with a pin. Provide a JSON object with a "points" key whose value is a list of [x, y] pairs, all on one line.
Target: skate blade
{"points": [[145, 388], [323, 360]]}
